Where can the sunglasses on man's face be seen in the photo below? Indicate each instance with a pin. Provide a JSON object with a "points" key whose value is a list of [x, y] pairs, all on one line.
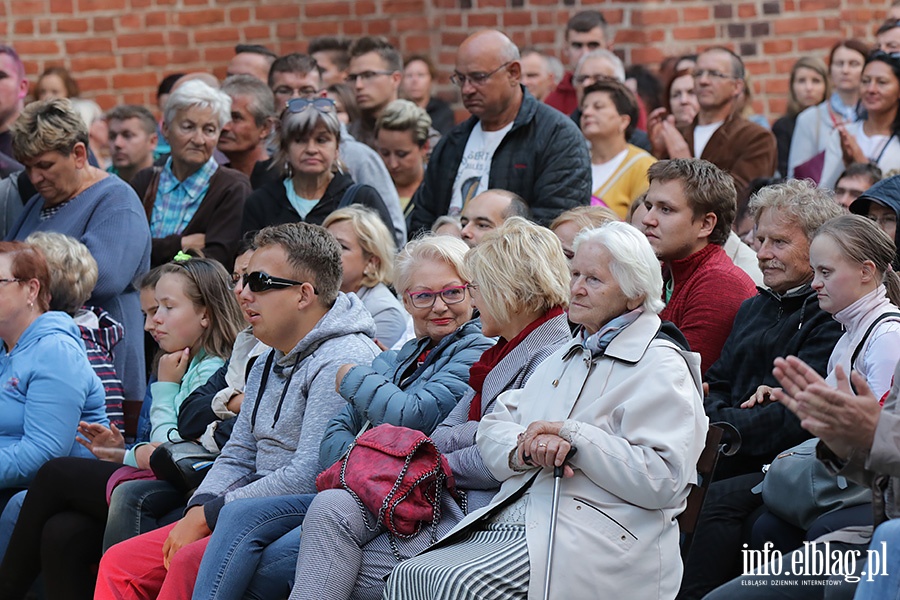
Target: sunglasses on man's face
{"points": [[258, 281], [299, 105]]}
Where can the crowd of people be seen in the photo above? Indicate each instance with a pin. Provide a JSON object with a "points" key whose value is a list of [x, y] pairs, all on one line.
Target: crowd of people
{"points": [[559, 294]]}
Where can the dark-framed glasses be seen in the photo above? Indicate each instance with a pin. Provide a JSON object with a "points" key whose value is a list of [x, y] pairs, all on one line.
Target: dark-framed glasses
{"points": [[450, 295], [299, 105], [476, 79], [258, 281]]}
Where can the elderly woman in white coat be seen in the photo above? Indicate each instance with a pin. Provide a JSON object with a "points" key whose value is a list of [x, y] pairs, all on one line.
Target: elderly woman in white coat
{"points": [[627, 395]]}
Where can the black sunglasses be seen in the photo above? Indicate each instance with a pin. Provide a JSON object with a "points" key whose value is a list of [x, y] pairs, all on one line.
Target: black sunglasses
{"points": [[258, 281]]}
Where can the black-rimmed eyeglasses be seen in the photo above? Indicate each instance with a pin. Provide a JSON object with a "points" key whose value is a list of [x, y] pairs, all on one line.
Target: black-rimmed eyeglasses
{"points": [[476, 79]]}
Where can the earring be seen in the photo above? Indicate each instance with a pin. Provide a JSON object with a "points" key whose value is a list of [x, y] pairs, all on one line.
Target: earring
{"points": [[288, 170]]}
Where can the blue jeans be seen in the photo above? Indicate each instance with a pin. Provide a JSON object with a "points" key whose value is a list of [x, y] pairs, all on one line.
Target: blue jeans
{"points": [[883, 587], [253, 550]]}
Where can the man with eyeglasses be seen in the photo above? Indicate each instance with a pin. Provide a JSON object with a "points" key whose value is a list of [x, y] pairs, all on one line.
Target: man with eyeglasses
{"points": [[298, 76], [511, 142], [718, 134], [586, 31], [291, 297], [375, 73], [881, 203]]}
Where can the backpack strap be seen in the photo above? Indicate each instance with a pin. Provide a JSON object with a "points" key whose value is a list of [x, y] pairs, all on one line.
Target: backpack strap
{"points": [[868, 333], [350, 195]]}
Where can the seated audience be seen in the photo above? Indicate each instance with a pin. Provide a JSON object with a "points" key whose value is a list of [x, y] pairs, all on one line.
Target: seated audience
{"points": [[55, 82], [401, 138], [520, 145], [874, 138], [719, 134], [582, 396], [361, 558], [808, 87], [487, 211], [618, 169], [50, 385], [367, 259], [538, 75], [570, 223], [344, 103], [244, 137], [854, 181], [783, 318], [251, 59], [89, 205], [292, 299], [375, 72], [690, 208], [419, 74], [196, 320], [132, 140], [311, 186], [192, 202], [332, 57], [814, 125]]}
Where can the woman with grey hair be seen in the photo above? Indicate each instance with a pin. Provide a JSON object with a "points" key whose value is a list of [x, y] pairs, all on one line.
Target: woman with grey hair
{"points": [[627, 395], [100, 211], [192, 202], [313, 184]]}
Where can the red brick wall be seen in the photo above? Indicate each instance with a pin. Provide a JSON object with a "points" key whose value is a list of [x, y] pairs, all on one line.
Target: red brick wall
{"points": [[120, 49]]}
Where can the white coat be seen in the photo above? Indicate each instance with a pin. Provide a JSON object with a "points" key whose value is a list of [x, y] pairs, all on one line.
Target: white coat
{"points": [[639, 428]]}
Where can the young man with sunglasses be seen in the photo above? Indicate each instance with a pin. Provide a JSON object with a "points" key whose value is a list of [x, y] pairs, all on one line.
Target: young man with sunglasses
{"points": [[718, 134], [291, 297], [511, 142]]}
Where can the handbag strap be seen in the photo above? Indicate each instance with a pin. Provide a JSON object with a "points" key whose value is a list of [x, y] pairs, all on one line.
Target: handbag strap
{"points": [[871, 328]]}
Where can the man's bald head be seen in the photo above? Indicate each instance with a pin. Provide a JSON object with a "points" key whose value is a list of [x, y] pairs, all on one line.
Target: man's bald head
{"points": [[492, 42], [487, 211]]}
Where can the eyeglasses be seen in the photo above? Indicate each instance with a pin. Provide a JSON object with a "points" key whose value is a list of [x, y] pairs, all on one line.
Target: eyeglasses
{"points": [[305, 92], [366, 76], [17, 280], [299, 105], [476, 79], [258, 281], [450, 295], [713, 74]]}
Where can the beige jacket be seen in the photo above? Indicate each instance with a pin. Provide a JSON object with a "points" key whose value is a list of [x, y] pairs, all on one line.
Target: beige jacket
{"points": [[636, 416]]}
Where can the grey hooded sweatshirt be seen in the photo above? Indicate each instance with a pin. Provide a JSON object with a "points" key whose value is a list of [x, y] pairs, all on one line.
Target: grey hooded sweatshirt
{"points": [[289, 399]]}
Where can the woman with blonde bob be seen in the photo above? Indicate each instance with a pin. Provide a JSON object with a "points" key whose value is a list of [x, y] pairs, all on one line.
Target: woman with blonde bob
{"points": [[520, 300], [367, 258], [626, 394]]}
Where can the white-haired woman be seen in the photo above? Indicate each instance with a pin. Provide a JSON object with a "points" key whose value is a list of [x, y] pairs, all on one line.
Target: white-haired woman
{"points": [[627, 396], [312, 185], [87, 204], [367, 258], [191, 201]]}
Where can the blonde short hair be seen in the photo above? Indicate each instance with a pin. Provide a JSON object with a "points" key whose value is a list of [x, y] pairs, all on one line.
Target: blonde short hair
{"points": [[73, 270], [519, 267], [47, 126], [403, 115], [374, 239], [444, 248], [585, 217]]}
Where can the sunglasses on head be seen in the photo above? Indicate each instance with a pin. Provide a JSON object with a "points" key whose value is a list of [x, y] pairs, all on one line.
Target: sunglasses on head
{"points": [[258, 281], [299, 105]]}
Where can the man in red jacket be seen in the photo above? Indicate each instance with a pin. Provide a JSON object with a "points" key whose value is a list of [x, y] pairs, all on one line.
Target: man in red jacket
{"points": [[690, 207]]}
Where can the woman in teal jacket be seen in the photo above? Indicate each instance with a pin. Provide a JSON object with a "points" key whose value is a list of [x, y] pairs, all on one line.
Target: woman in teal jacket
{"points": [[46, 382]]}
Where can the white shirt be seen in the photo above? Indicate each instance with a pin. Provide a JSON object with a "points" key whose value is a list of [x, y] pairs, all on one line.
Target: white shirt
{"points": [[702, 133], [475, 167], [600, 173]]}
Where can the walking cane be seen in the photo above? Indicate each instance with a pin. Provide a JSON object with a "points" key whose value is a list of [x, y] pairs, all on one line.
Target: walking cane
{"points": [[554, 511]]}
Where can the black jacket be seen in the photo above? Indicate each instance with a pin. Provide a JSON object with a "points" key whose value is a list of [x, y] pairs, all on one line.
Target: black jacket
{"points": [[269, 204], [544, 159], [766, 326]]}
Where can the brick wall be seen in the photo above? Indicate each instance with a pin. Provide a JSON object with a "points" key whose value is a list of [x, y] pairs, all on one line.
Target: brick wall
{"points": [[120, 49]]}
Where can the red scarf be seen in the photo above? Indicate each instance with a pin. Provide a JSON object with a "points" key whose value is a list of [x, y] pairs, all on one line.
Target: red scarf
{"points": [[478, 372]]}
